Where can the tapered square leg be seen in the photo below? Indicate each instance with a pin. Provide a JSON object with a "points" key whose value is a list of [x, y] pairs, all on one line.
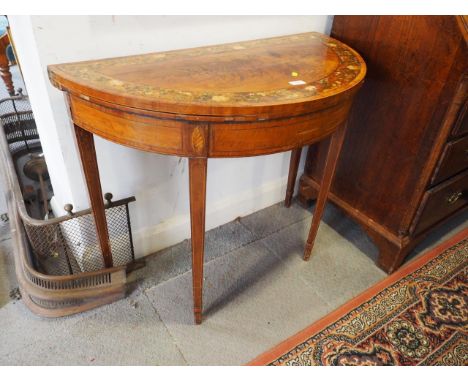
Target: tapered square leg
{"points": [[5, 73], [197, 181], [329, 171], [89, 164], [293, 166]]}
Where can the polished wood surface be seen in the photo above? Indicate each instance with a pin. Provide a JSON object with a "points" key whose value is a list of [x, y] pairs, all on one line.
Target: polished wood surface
{"points": [[453, 160], [85, 143], [233, 100], [336, 141], [292, 175], [197, 184], [443, 200], [461, 125], [403, 131], [229, 79]]}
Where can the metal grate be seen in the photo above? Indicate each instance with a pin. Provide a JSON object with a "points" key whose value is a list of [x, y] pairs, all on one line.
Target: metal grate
{"points": [[64, 289], [48, 304], [71, 246], [15, 103], [66, 245], [18, 123]]}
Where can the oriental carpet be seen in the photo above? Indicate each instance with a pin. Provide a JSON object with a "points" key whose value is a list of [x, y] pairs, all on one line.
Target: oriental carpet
{"points": [[416, 316]]}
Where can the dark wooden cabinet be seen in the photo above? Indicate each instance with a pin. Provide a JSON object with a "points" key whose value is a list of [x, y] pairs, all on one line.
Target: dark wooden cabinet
{"points": [[403, 168]]}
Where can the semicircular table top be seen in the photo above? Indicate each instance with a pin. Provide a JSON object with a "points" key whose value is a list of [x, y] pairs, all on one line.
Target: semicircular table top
{"points": [[228, 79], [233, 100]]}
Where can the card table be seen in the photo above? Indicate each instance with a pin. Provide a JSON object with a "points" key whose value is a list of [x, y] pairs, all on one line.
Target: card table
{"points": [[232, 100]]}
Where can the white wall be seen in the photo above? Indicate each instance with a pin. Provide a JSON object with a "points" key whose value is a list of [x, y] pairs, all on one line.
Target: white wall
{"points": [[160, 217]]}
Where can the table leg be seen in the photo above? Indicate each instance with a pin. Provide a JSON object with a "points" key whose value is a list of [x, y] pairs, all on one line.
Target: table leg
{"points": [[6, 74], [330, 166], [293, 166], [197, 181], [91, 171]]}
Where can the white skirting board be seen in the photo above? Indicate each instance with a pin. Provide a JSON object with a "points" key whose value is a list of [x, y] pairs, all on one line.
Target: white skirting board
{"points": [[176, 229]]}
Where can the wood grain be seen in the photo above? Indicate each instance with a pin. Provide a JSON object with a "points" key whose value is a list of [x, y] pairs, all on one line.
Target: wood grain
{"points": [[197, 184], [406, 116], [87, 152], [336, 141], [293, 167], [232, 100], [244, 78], [453, 160]]}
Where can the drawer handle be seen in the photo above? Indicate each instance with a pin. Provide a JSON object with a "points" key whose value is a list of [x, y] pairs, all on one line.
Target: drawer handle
{"points": [[451, 199]]}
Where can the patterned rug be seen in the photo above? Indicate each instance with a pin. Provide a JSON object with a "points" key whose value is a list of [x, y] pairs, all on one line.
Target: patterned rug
{"points": [[416, 316]]}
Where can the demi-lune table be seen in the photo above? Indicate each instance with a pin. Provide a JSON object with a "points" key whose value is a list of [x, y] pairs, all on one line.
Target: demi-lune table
{"points": [[232, 100]]}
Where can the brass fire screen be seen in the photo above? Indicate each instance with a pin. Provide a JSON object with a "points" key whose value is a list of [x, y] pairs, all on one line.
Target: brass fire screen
{"points": [[58, 261], [69, 245]]}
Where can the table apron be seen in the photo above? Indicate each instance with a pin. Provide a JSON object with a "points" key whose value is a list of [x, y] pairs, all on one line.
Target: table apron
{"points": [[272, 136], [205, 139]]}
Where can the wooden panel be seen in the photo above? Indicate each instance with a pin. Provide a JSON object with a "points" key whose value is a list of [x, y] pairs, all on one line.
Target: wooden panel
{"points": [[461, 126], [454, 160], [412, 102], [442, 201], [270, 76], [395, 126], [244, 139], [146, 133]]}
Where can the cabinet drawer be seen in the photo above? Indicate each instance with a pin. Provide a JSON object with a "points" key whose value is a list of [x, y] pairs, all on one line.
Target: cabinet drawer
{"points": [[453, 160], [441, 201]]}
